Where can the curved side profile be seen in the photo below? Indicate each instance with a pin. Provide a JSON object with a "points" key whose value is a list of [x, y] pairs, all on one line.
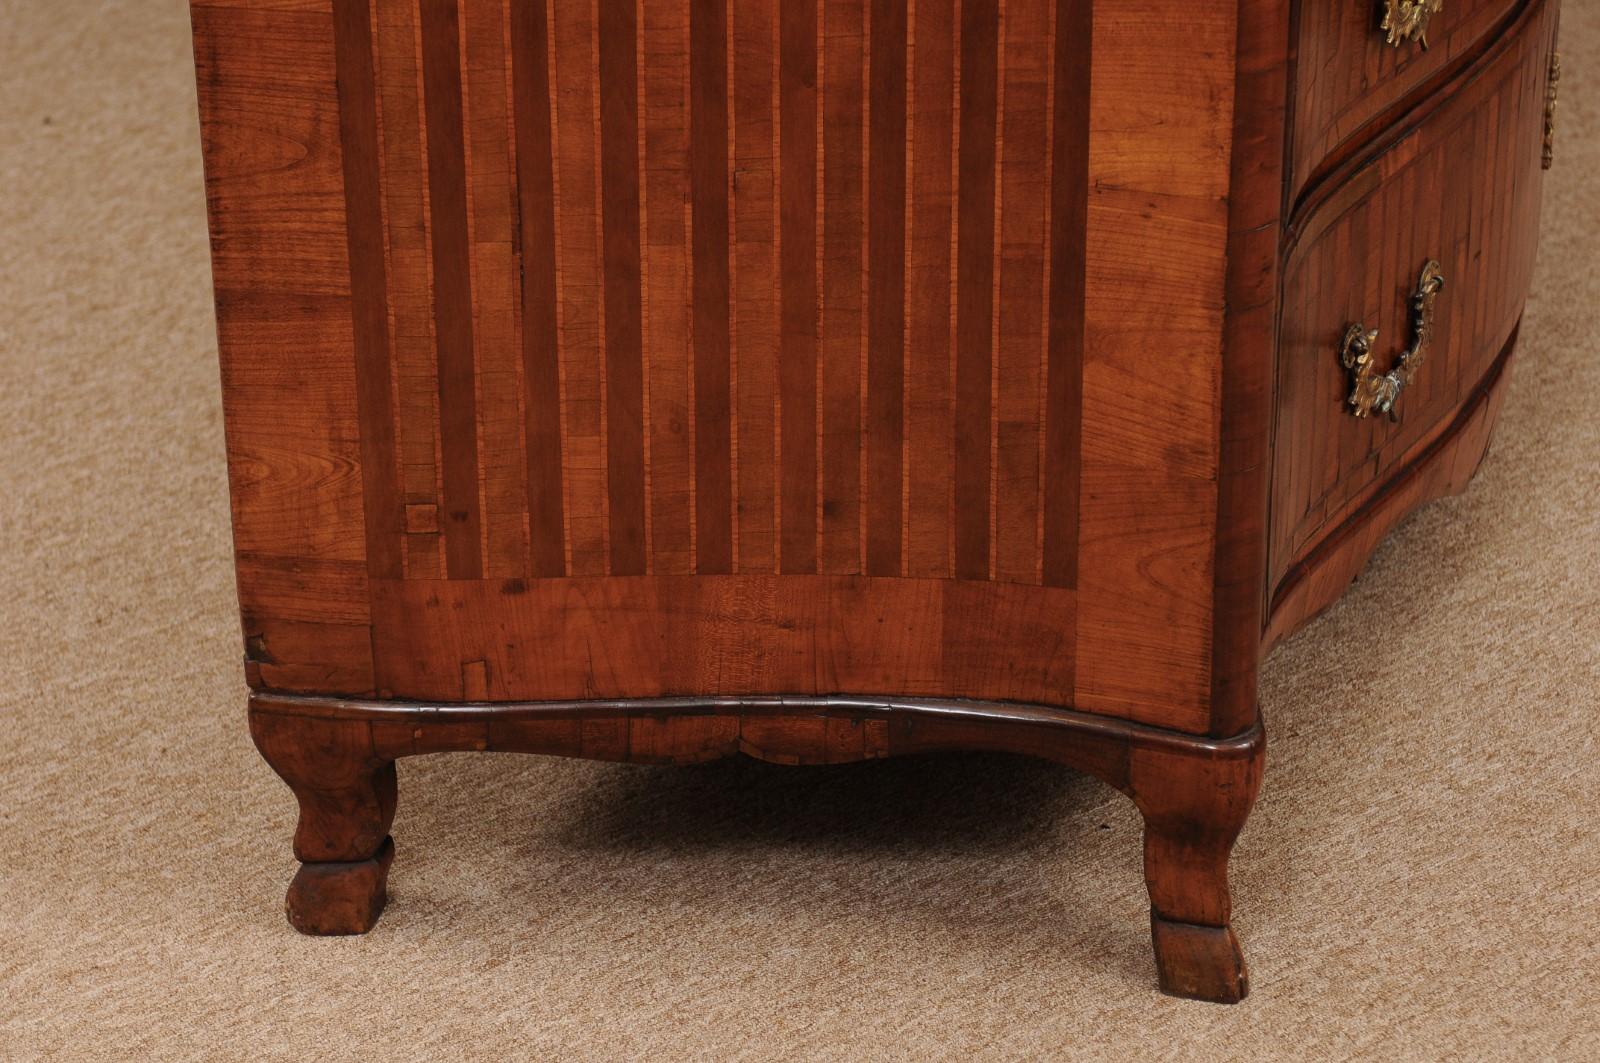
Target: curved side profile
{"points": [[338, 757], [1443, 465]]}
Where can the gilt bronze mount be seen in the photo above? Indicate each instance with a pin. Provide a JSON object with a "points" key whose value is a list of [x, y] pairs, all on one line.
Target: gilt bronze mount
{"points": [[1372, 391]]}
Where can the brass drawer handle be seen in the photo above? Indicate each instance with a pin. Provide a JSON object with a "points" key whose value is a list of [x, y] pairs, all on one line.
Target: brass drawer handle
{"points": [[1407, 20], [1371, 390], [1552, 99]]}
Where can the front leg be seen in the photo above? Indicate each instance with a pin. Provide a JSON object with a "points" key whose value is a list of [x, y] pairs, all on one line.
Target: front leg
{"points": [[1194, 806], [347, 795]]}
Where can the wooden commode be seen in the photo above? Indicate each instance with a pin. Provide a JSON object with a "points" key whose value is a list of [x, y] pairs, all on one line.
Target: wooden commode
{"points": [[822, 380]]}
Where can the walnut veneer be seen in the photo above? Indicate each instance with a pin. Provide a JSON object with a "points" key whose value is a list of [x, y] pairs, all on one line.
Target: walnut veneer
{"points": [[821, 380]]}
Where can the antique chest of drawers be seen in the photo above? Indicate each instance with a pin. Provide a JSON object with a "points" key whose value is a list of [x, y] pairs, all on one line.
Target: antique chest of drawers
{"points": [[821, 380]]}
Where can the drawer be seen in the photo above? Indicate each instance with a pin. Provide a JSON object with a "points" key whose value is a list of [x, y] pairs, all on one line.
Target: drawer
{"points": [[1461, 188], [1349, 80]]}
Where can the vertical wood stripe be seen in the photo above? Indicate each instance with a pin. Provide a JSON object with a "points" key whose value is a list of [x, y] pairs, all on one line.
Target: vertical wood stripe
{"points": [[452, 273], [502, 463], [1069, 221], [797, 240], [886, 246], [713, 352], [410, 300], [581, 296], [931, 193], [664, 135], [360, 153], [1021, 240], [842, 97], [974, 286], [619, 183], [536, 222], [754, 109], [720, 288]]}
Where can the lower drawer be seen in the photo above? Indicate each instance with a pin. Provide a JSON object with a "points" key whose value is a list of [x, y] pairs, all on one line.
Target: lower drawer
{"points": [[1459, 189]]}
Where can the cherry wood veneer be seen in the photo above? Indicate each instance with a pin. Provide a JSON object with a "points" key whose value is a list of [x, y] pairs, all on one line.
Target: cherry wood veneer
{"points": [[1458, 181], [1347, 88], [823, 380]]}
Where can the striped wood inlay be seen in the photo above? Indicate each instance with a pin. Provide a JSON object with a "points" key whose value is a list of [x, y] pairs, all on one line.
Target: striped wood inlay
{"points": [[637, 280], [838, 289]]}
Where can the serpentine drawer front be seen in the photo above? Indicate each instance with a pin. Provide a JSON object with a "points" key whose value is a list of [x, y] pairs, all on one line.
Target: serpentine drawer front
{"points": [[1353, 73], [1458, 183], [664, 380]]}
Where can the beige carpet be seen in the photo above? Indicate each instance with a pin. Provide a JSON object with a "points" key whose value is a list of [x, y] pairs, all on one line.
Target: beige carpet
{"points": [[1421, 878]]}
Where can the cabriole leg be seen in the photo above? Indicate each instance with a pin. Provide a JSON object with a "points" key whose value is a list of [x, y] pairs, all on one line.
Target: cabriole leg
{"points": [[1194, 805], [347, 797]]}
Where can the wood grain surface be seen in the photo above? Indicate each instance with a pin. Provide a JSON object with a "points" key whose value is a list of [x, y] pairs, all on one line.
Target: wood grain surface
{"points": [[1349, 84], [993, 322], [837, 290]]}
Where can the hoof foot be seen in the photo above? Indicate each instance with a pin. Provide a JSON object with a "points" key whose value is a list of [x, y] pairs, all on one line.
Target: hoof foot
{"points": [[340, 898], [1199, 962]]}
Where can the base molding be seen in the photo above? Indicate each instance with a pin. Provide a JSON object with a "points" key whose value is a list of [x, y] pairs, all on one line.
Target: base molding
{"points": [[783, 730], [1194, 792]]}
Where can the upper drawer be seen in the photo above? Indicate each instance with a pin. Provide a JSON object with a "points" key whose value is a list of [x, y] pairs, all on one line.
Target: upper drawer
{"points": [[1348, 77]]}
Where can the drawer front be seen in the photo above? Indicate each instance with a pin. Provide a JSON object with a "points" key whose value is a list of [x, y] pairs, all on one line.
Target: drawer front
{"points": [[1462, 189], [1348, 76]]}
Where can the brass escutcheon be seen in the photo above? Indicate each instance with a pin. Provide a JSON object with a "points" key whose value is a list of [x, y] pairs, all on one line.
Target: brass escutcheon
{"points": [[1371, 390], [1551, 100], [1407, 20]]}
